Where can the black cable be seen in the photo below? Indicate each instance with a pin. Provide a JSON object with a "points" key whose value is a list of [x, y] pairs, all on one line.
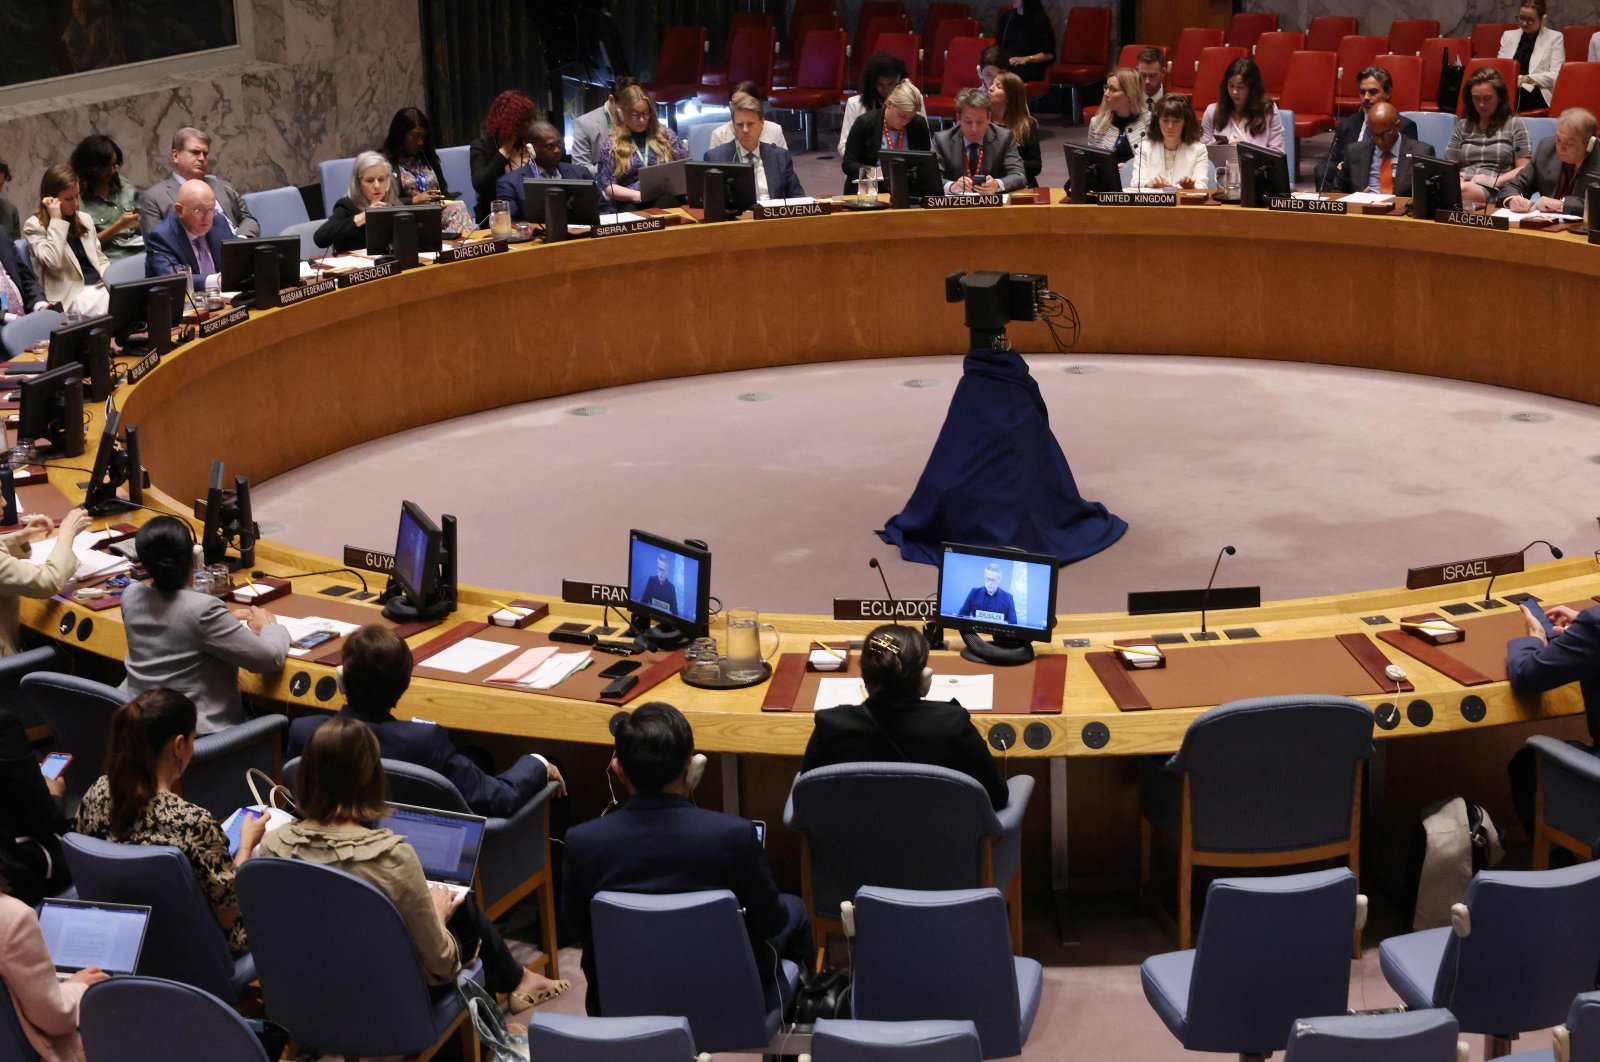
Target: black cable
{"points": [[258, 574]]}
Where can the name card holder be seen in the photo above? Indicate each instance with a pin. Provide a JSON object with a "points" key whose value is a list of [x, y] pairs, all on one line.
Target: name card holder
{"points": [[957, 202], [879, 609], [141, 368], [1472, 220], [290, 296], [624, 228], [1307, 206], [369, 560], [526, 615], [223, 321], [1137, 199], [369, 274], [792, 210], [574, 592], [461, 252], [1463, 571]]}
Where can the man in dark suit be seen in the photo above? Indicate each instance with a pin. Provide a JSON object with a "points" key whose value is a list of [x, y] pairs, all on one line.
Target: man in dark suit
{"points": [[775, 176], [659, 842], [1384, 158], [189, 237], [191, 161], [546, 165], [1375, 86], [1564, 167], [374, 673], [23, 294], [1537, 663], [990, 599], [977, 155]]}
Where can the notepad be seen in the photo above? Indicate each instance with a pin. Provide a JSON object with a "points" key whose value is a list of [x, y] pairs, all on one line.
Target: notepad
{"points": [[975, 692], [836, 692], [92, 563], [524, 666], [467, 655], [1368, 197], [302, 627], [252, 591], [620, 218]]}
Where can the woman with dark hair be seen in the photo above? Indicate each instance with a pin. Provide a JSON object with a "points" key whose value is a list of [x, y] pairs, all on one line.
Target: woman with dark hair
{"points": [[1243, 111], [340, 792], [1538, 50], [1008, 108], [504, 145], [46, 1008], [896, 724], [639, 141], [187, 641], [1172, 155], [66, 251], [1491, 144], [111, 203], [410, 150], [879, 76], [134, 802], [1024, 33]]}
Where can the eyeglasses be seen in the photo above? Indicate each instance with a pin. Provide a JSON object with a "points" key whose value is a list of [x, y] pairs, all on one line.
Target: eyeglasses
{"points": [[1527, 20]]}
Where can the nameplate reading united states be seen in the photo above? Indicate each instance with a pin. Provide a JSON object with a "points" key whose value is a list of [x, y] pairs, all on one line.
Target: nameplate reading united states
{"points": [[223, 321], [848, 608], [946, 202], [1307, 206], [290, 296], [574, 592], [369, 274], [1463, 570], [480, 249], [1472, 220], [368, 560], [141, 368], [623, 228], [792, 210], [1137, 199]]}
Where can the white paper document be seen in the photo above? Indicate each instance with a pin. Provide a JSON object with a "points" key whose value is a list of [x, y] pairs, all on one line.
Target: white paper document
{"points": [[1507, 212], [1367, 197], [92, 564], [619, 218], [804, 200], [837, 692], [305, 626], [556, 669], [975, 692], [467, 655]]}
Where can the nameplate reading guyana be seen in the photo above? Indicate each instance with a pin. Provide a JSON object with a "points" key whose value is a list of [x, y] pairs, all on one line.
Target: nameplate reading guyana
{"points": [[223, 321], [1462, 571], [1137, 199], [1472, 221], [371, 273], [846, 608], [479, 249], [793, 210], [946, 202], [1307, 206], [577, 593], [141, 368], [290, 296], [623, 228], [369, 560]]}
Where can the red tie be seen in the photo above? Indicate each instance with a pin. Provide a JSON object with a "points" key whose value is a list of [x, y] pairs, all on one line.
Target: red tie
{"points": [[1386, 175]]}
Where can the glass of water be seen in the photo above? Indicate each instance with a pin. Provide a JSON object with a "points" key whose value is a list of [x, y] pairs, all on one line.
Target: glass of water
{"points": [[867, 183]]}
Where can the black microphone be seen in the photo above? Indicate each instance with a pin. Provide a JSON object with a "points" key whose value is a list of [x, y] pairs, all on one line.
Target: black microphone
{"points": [[1205, 599], [1487, 601], [872, 562]]}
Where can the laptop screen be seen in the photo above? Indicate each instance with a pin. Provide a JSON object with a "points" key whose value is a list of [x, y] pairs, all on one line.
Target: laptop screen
{"points": [[81, 934], [446, 843]]}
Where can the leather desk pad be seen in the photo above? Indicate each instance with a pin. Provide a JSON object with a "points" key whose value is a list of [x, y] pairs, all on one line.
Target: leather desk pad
{"points": [[654, 669], [1033, 688]]}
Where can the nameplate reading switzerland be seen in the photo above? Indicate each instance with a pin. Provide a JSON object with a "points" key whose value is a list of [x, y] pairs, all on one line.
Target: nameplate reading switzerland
{"points": [[369, 560], [222, 321], [1463, 571], [792, 210], [1307, 206], [371, 273], [846, 608], [574, 592], [290, 296], [1137, 199], [478, 249], [946, 202], [623, 228], [1471, 220], [141, 368]]}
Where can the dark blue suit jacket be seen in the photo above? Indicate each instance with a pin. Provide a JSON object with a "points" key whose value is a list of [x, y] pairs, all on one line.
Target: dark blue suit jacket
{"points": [[660, 843], [781, 180], [23, 277], [167, 247], [427, 745], [1571, 656], [509, 186]]}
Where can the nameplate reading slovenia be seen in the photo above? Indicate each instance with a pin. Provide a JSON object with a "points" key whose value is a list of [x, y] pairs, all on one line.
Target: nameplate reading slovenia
{"points": [[1306, 206], [792, 210], [1137, 199]]}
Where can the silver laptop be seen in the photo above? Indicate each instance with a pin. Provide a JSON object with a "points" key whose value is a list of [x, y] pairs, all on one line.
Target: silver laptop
{"points": [[447, 843], [81, 934], [666, 178], [1222, 154]]}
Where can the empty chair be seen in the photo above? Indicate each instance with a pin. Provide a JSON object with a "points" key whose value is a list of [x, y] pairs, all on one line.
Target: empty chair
{"points": [[301, 914], [307, 231], [1567, 807], [1085, 50], [1407, 34], [1355, 55], [939, 11], [1409, 1036], [1308, 92], [1578, 85], [1214, 63], [571, 1038], [960, 71], [1576, 1041], [115, 1020], [1186, 56], [750, 58], [783, 68], [1578, 40], [636, 937], [277, 208], [1270, 951], [679, 63], [905, 941], [1272, 57], [1522, 944], [455, 166], [27, 330], [1486, 37], [819, 81], [128, 267], [1246, 27], [1433, 128], [1436, 52], [842, 1040], [868, 30], [334, 175], [1326, 31], [717, 76], [1405, 74]]}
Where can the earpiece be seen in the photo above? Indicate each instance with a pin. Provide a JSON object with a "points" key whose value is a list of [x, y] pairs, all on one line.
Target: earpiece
{"points": [[927, 680], [695, 771], [1361, 912], [1460, 920], [847, 915], [338, 676], [1590, 148]]}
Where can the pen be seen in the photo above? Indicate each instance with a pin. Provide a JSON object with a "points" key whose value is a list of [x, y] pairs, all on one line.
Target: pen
{"points": [[1138, 650], [515, 611], [828, 649]]}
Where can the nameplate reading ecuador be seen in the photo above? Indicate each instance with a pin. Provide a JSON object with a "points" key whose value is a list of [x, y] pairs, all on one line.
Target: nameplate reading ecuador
{"points": [[479, 249], [1137, 199], [792, 210], [223, 321], [141, 368], [369, 560], [371, 273], [1462, 571], [623, 228], [578, 593], [290, 296], [946, 202], [1472, 221], [1306, 206], [847, 608]]}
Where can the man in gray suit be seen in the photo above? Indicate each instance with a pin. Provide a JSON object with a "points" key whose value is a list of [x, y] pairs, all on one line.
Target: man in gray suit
{"points": [[977, 155], [590, 129], [191, 157], [1564, 167], [1385, 148]]}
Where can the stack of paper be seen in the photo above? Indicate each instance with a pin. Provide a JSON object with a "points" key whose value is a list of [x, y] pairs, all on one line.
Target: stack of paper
{"points": [[468, 655], [804, 200], [524, 666], [556, 669], [619, 218], [1507, 212], [1368, 197], [92, 563]]}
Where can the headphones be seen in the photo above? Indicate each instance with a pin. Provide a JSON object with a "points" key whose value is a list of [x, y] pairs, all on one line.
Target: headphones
{"points": [[692, 774]]}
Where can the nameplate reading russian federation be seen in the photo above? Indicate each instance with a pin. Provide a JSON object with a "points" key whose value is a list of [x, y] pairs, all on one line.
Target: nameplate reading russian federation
{"points": [[369, 560], [223, 321], [141, 368], [1307, 206], [479, 249], [946, 202], [1462, 571], [1472, 220], [792, 210], [1137, 198], [623, 228], [847, 608], [579, 593], [290, 296], [371, 273]]}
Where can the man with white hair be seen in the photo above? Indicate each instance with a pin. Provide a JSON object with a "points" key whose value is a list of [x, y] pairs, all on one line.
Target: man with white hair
{"points": [[191, 161], [1564, 167], [190, 237]]}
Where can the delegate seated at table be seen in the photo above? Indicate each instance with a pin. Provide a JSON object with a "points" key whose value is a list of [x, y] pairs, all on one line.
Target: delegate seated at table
{"points": [[989, 601], [1564, 167], [978, 156], [1381, 163]]}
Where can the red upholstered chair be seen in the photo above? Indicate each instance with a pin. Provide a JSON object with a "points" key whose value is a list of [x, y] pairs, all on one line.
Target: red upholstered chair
{"points": [[867, 36], [1435, 52], [939, 44], [750, 56], [1486, 38], [1247, 26], [1127, 59], [783, 70], [1577, 85], [1578, 38], [1214, 63], [1085, 50], [1272, 56], [1406, 72], [820, 79], [1407, 34], [1508, 71], [938, 12], [960, 71], [800, 9], [1186, 56], [1355, 55], [1326, 31], [907, 47], [1308, 92], [679, 64], [717, 76]]}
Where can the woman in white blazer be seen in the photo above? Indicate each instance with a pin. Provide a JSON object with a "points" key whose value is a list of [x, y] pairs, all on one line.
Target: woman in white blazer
{"points": [[1172, 155], [65, 247], [1539, 51]]}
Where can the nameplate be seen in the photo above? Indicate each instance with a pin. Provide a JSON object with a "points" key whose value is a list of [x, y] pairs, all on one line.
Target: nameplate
{"points": [[578, 593], [369, 274], [1594, 235], [793, 210], [623, 228], [1463, 571], [369, 560], [1307, 206], [141, 368], [1137, 199], [1472, 221], [478, 249], [946, 202], [223, 321], [846, 608], [290, 296]]}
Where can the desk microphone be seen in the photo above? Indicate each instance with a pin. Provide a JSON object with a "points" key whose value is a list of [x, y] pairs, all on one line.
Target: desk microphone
{"points": [[872, 562], [1205, 599], [1487, 601]]}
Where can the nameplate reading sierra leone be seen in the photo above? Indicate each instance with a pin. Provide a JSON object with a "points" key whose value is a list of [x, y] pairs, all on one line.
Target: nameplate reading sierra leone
{"points": [[141, 368], [1137, 199], [946, 202], [478, 249], [623, 228], [222, 321], [845, 608], [371, 273], [1307, 206], [368, 560], [1472, 220], [1462, 571], [290, 296], [792, 210]]}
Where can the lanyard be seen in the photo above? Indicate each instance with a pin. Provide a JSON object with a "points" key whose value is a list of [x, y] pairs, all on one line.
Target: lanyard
{"points": [[895, 143], [644, 155], [973, 173]]}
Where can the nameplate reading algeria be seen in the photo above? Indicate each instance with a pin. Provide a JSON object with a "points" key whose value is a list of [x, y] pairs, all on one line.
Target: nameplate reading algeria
{"points": [[290, 296], [579, 593], [946, 202], [845, 608], [1463, 570], [623, 228], [369, 274], [1307, 206], [141, 368], [223, 321], [1137, 199], [369, 560], [1472, 220], [479, 249], [792, 210]]}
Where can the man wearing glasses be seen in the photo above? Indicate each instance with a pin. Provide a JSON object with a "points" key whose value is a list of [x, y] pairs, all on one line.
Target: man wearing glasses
{"points": [[191, 161]]}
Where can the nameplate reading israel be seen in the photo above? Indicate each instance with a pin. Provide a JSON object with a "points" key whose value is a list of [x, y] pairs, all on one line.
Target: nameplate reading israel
{"points": [[1307, 206], [846, 608], [223, 321], [478, 249], [368, 560], [290, 296], [141, 368], [1137, 199], [1472, 220], [1463, 570], [792, 210], [946, 202], [574, 592], [623, 228], [369, 274]]}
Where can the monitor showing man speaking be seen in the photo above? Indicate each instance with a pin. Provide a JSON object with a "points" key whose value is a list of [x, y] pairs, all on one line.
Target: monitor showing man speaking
{"points": [[982, 588]]}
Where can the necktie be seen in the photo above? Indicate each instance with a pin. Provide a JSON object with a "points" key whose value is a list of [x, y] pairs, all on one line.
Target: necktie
{"points": [[972, 159], [1564, 183], [202, 257], [1386, 174]]}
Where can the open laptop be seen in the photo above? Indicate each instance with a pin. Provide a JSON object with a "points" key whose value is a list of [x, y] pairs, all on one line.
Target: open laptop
{"points": [[81, 934], [665, 178], [447, 843]]}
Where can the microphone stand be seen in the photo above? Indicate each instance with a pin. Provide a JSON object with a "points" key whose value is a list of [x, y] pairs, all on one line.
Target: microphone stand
{"points": [[1205, 599], [1488, 602]]}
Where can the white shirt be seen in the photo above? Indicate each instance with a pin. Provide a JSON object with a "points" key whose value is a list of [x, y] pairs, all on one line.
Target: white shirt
{"points": [[754, 158], [771, 133]]}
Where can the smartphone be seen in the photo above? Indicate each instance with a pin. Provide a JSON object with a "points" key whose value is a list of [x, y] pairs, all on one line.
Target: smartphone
{"points": [[312, 640], [54, 764], [620, 668], [235, 828], [761, 832]]}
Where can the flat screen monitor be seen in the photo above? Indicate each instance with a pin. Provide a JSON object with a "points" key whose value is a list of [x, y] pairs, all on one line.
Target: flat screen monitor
{"points": [[239, 262], [101, 482], [999, 592], [80, 934], [1090, 172], [669, 581], [130, 299], [380, 228], [71, 344], [1435, 186], [52, 408], [923, 176], [583, 200], [416, 553], [1263, 172], [738, 178]]}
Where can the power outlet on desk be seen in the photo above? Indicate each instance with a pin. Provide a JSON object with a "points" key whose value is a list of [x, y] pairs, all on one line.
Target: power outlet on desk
{"points": [[1236, 633], [336, 591], [1075, 643], [1376, 621], [1168, 639], [1002, 737], [1462, 609]]}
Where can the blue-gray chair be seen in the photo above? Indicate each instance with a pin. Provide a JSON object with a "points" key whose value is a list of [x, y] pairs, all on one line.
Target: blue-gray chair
{"points": [[129, 267], [27, 330], [906, 942], [215, 777], [456, 162], [13, 1041], [1271, 950], [1521, 944], [574, 1038], [1567, 808], [1290, 146], [1576, 1041], [182, 941], [115, 1021], [1433, 128], [307, 231], [24, 251], [334, 175], [930, 828], [700, 139], [1260, 782], [1538, 129], [338, 967], [79, 710], [1409, 1036], [277, 208], [845, 1040], [48, 657], [638, 937]]}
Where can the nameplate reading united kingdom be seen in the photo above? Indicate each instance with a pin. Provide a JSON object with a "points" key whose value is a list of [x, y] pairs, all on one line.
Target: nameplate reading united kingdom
{"points": [[1463, 570], [946, 202], [1307, 206], [290, 296], [369, 560], [1472, 220], [478, 249], [574, 592], [1137, 199], [141, 368], [223, 321], [623, 228], [792, 210], [846, 608], [371, 273]]}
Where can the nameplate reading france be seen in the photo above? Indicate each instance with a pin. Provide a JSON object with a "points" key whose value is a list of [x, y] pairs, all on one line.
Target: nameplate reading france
{"points": [[141, 368], [846, 608], [371, 273], [479, 249], [290, 296], [1307, 206], [1472, 220], [792, 210], [946, 202], [223, 321], [369, 560], [1137, 198], [1463, 570], [623, 228], [579, 593]]}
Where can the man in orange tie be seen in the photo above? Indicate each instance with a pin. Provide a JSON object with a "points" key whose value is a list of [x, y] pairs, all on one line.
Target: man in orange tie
{"points": [[1383, 162]]}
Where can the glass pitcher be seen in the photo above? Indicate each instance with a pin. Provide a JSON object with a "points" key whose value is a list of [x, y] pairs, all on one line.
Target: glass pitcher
{"points": [[743, 660]]}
